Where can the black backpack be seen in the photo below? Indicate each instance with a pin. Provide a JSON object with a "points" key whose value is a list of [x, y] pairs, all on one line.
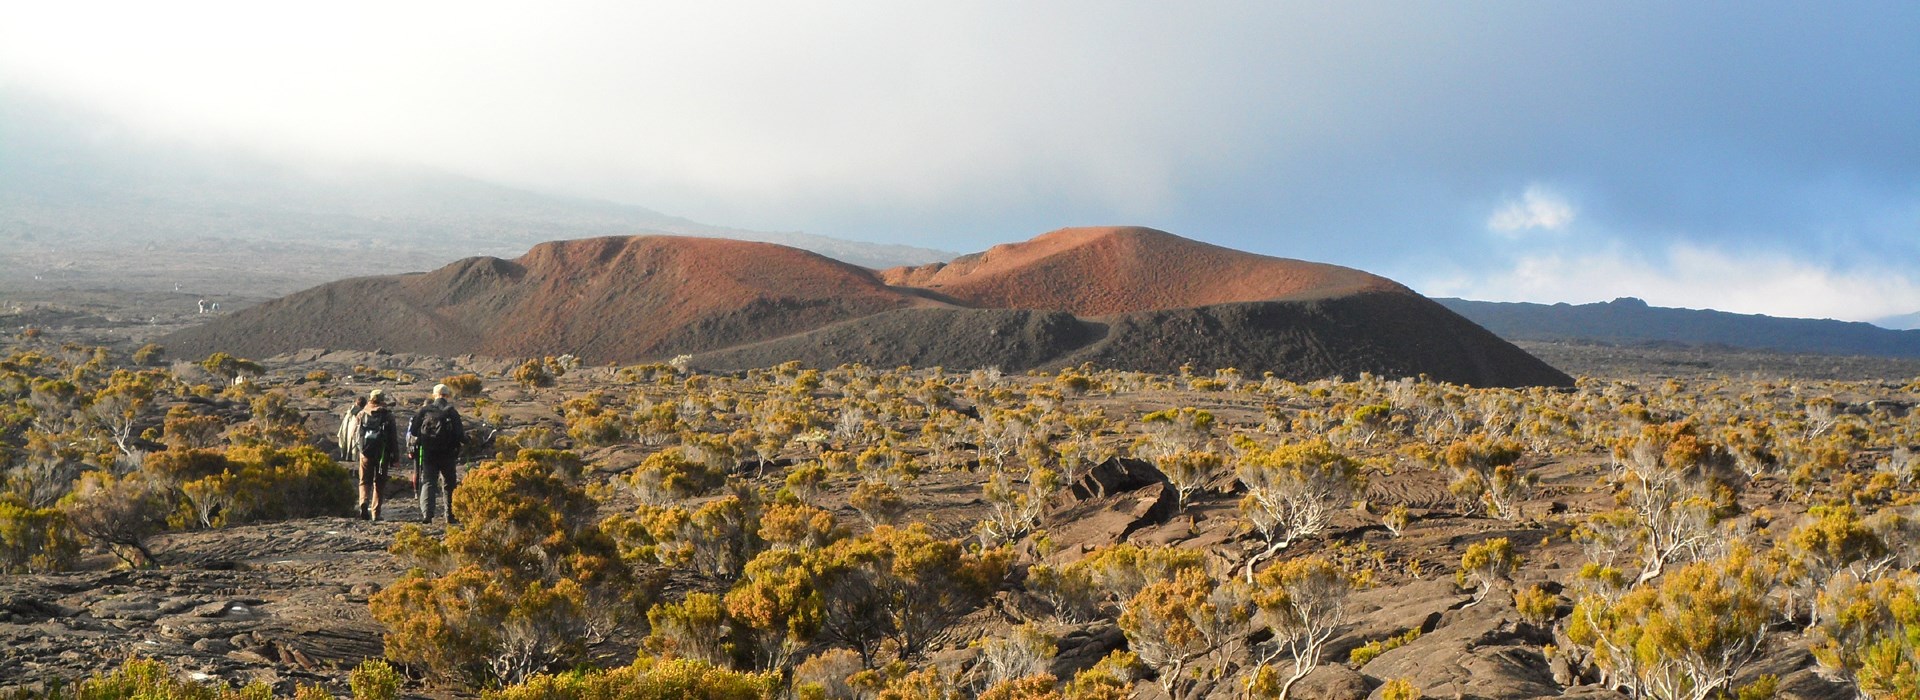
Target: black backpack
{"points": [[438, 430], [376, 433]]}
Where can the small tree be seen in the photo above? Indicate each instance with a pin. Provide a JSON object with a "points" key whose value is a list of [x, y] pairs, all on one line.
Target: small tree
{"points": [[1487, 565], [1184, 624], [1484, 472], [1190, 471], [1292, 491], [1303, 602]]}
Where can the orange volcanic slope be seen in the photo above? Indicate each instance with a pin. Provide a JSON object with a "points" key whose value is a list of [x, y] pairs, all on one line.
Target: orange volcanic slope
{"points": [[617, 296], [1114, 270], [603, 299]]}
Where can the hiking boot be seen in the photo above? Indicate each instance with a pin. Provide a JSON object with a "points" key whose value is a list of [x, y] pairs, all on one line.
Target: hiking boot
{"points": [[363, 513]]}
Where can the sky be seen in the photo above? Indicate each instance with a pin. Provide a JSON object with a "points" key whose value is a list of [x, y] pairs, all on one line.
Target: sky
{"points": [[1756, 157]]}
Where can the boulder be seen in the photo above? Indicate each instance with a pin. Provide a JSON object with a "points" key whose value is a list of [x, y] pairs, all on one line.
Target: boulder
{"points": [[1477, 652], [1331, 682]]}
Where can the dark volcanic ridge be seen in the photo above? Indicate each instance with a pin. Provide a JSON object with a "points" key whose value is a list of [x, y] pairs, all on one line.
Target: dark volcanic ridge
{"points": [[1632, 321], [1127, 298]]}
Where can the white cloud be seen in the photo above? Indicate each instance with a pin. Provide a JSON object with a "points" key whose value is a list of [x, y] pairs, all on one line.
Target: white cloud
{"points": [[1695, 277], [1537, 208]]}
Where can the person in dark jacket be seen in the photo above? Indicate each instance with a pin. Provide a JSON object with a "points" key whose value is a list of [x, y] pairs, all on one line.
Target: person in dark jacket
{"points": [[379, 447], [438, 436]]}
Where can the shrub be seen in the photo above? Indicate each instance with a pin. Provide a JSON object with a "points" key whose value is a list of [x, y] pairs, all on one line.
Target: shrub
{"points": [[1486, 566], [185, 431], [798, 526], [121, 512], [1024, 652], [1189, 471], [150, 355], [877, 502], [596, 430], [530, 581], [1536, 605], [1400, 689], [1365, 653], [35, 540], [464, 385], [823, 676], [894, 586], [1178, 625], [533, 374], [647, 679], [1870, 633], [374, 679], [1685, 637], [1484, 475], [694, 628], [715, 539], [151, 680], [668, 475], [1107, 577], [228, 367]]}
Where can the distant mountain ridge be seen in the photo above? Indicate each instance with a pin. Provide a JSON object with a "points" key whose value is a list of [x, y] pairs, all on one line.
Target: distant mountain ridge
{"points": [[1629, 320], [1902, 322], [1066, 297]]}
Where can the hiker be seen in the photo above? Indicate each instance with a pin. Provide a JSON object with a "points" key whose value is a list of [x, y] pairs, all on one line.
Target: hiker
{"points": [[437, 435], [379, 448], [349, 436]]}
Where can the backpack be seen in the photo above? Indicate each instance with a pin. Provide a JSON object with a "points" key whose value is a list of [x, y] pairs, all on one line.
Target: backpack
{"points": [[376, 433], [438, 432]]}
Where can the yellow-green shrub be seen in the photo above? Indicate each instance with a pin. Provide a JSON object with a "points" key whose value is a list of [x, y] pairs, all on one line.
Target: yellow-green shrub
{"points": [[647, 679], [35, 540]]}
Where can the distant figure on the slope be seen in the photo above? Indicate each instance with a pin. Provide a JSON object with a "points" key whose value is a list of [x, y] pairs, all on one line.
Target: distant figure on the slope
{"points": [[349, 435], [379, 448], [437, 435], [203, 306]]}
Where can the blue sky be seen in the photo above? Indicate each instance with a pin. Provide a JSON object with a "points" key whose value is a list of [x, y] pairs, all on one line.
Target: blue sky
{"points": [[1754, 157]]}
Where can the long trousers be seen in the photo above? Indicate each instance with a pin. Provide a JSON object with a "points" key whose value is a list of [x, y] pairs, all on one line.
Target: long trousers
{"points": [[438, 475]]}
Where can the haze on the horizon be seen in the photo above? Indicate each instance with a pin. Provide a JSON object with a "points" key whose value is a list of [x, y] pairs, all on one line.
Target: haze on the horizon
{"points": [[1752, 157]]}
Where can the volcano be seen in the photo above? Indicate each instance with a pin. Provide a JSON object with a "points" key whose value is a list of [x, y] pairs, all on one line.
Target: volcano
{"points": [[1119, 297]]}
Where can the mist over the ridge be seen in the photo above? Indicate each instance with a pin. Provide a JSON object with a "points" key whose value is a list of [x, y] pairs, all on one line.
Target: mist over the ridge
{"points": [[1755, 159]]}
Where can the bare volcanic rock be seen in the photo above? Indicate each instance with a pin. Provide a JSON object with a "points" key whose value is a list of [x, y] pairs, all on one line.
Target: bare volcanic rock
{"points": [[1129, 298], [601, 299], [923, 337], [1383, 333], [1117, 270]]}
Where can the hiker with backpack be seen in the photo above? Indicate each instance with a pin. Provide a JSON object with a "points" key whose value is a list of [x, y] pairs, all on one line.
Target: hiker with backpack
{"points": [[379, 438], [438, 435], [349, 436]]}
